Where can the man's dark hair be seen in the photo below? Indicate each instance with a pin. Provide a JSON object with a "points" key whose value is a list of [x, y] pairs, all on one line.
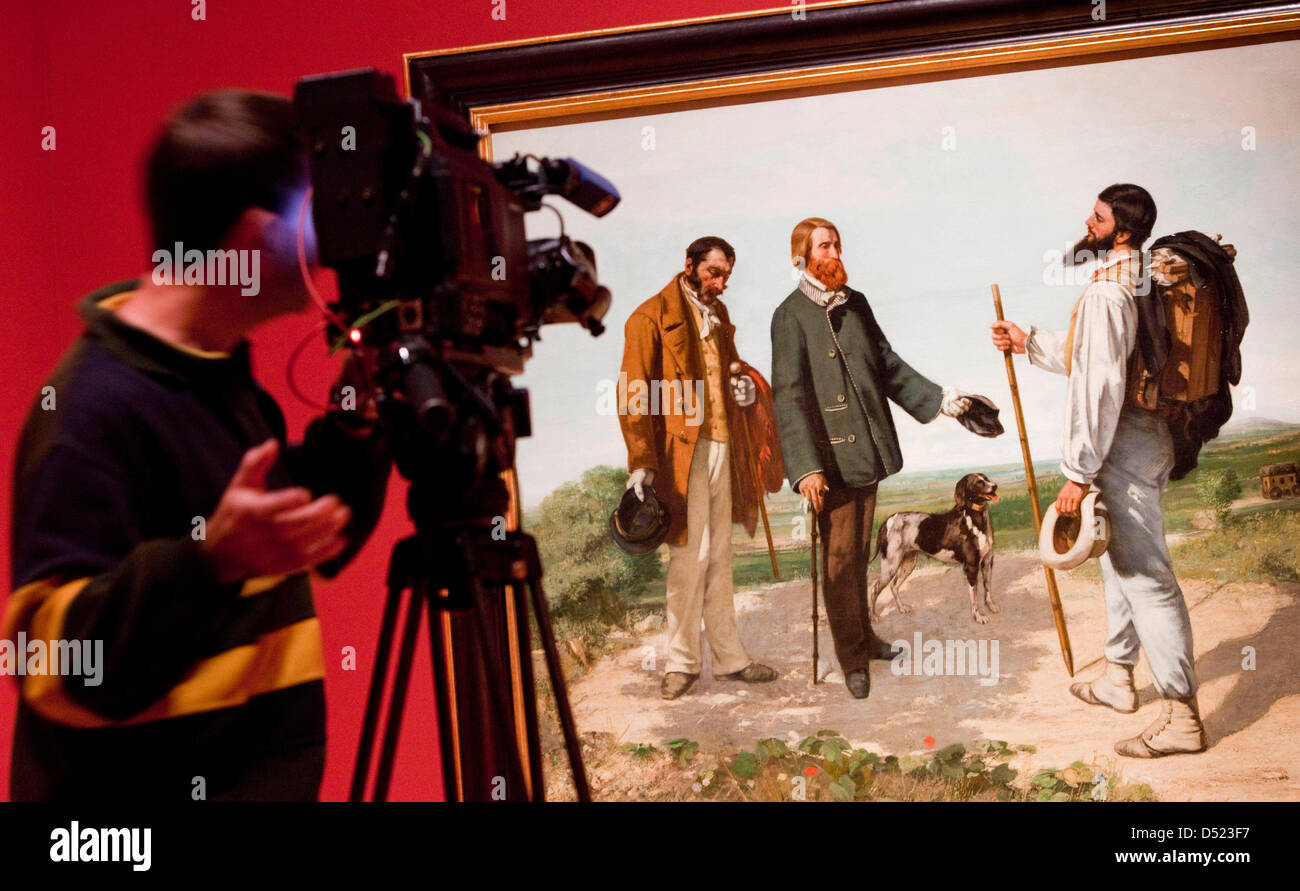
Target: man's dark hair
{"points": [[1134, 210], [701, 247], [217, 156]]}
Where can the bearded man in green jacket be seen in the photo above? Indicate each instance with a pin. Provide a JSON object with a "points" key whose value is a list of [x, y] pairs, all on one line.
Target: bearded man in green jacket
{"points": [[833, 373]]}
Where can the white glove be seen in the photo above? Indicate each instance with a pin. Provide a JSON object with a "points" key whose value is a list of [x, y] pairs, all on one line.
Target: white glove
{"points": [[640, 477], [743, 390], [955, 402]]}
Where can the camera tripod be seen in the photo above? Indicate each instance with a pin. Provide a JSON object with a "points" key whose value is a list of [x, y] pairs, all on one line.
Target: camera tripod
{"points": [[469, 583]]}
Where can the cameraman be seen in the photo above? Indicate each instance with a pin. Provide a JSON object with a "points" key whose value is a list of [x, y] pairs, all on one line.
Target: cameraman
{"points": [[159, 514]]}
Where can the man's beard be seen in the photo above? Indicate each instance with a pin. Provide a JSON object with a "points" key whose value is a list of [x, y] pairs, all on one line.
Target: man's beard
{"points": [[698, 287], [1092, 249], [830, 272]]}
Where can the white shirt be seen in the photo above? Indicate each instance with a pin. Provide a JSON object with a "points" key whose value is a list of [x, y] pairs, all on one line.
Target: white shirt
{"points": [[1105, 332], [819, 294]]}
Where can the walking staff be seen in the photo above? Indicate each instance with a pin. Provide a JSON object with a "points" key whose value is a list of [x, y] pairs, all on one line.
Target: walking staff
{"points": [[770, 442], [1062, 633], [814, 595]]}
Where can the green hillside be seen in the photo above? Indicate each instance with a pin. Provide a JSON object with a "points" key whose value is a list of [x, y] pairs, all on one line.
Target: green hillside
{"points": [[932, 491]]}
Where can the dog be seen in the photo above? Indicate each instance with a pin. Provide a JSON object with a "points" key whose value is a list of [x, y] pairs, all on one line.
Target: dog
{"points": [[963, 535]]}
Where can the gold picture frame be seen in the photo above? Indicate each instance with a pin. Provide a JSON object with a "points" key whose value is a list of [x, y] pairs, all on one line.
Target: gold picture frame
{"points": [[1063, 33]]}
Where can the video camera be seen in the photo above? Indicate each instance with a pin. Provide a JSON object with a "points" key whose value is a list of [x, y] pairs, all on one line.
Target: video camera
{"points": [[428, 239]]}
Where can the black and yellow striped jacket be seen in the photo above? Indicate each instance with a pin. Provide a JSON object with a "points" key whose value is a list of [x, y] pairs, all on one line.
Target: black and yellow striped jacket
{"points": [[137, 439]]}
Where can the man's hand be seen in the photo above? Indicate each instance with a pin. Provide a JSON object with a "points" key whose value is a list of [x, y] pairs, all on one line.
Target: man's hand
{"points": [[254, 532], [1006, 336], [955, 402], [1067, 502], [814, 488], [743, 390], [639, 478]]}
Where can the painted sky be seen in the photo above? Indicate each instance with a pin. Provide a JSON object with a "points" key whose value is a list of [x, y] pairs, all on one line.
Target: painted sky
{"points": [[939, 190]]}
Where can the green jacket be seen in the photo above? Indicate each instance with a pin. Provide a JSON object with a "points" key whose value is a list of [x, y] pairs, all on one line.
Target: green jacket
{"points": [[832, 372]]}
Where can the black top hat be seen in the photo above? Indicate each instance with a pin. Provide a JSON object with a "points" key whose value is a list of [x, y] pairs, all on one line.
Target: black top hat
{"points": [[638, 527], [981, 417]]}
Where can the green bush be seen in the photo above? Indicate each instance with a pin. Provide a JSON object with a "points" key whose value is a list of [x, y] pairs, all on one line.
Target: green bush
{"points": [[1217, 489], [586, 577]]}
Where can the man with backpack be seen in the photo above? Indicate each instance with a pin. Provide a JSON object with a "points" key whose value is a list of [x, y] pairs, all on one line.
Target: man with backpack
{"points": [[1112, 443]]}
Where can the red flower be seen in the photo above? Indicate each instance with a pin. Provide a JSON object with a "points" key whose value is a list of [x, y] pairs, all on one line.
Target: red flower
{"points": [[810, 771], [929, 742]]}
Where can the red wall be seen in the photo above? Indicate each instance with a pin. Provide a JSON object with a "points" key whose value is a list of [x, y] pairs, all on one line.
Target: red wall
{"points": [[105, 75]]}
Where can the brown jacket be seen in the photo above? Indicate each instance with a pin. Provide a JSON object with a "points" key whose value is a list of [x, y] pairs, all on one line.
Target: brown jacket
{"points": [[662, 344]]}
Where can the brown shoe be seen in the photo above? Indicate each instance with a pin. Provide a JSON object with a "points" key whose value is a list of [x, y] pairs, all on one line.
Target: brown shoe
{"points": [[753, 673], [676, 683]]}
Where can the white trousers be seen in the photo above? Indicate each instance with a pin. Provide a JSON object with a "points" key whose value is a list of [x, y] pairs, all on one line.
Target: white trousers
{"points": [[1144, 605], [699, 572]]}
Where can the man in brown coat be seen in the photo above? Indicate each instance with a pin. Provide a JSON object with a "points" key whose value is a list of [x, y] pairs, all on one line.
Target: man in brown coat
{"points": [[683, 406]]}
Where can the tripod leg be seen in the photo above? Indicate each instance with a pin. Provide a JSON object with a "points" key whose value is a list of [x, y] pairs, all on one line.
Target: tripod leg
{"points": [[398, 704], [530, 693], [444, 685], [560, 691], [495, 683], [374, 699]]}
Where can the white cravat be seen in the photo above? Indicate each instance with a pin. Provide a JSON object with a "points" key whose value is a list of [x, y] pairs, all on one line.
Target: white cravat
{"points": [[708, 316]]}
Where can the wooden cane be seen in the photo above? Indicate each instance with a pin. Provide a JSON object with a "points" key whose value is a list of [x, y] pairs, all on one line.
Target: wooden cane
{"points": [[758, 483], [1062, 633], [814, 593]]}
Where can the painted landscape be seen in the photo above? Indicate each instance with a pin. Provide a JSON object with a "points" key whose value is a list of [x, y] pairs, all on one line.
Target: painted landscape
{"points": [[1020, 736]]}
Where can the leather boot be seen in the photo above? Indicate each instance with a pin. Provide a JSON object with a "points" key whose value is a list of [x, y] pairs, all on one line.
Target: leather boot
{"points": [[881, 648], [1114, 688], [1177, 729], [859, 682]]}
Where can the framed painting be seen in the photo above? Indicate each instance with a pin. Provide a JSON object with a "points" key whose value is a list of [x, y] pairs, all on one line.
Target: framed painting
{"points": [[931, 151]]}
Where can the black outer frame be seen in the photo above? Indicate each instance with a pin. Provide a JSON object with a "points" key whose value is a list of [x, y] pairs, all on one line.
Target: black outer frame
{"points": [[774, 41]]}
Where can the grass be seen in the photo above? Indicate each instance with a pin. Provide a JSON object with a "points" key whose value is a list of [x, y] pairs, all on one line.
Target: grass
{"points": [[755, 568], [1256, 546], [1260, 543], [826, 767]]}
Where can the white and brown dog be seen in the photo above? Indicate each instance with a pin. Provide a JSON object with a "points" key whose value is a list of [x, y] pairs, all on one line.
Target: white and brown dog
{"points": [[963, 535]]}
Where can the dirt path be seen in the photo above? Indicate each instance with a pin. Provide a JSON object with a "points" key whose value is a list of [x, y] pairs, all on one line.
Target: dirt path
{"points": [[1252, 717]]}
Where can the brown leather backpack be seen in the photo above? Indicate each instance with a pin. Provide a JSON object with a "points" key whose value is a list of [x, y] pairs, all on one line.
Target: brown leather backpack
{"points": [[1193, 318]]}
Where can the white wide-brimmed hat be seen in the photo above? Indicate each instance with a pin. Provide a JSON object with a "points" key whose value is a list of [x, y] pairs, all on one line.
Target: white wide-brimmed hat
{"points": [[1065, 542]]}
